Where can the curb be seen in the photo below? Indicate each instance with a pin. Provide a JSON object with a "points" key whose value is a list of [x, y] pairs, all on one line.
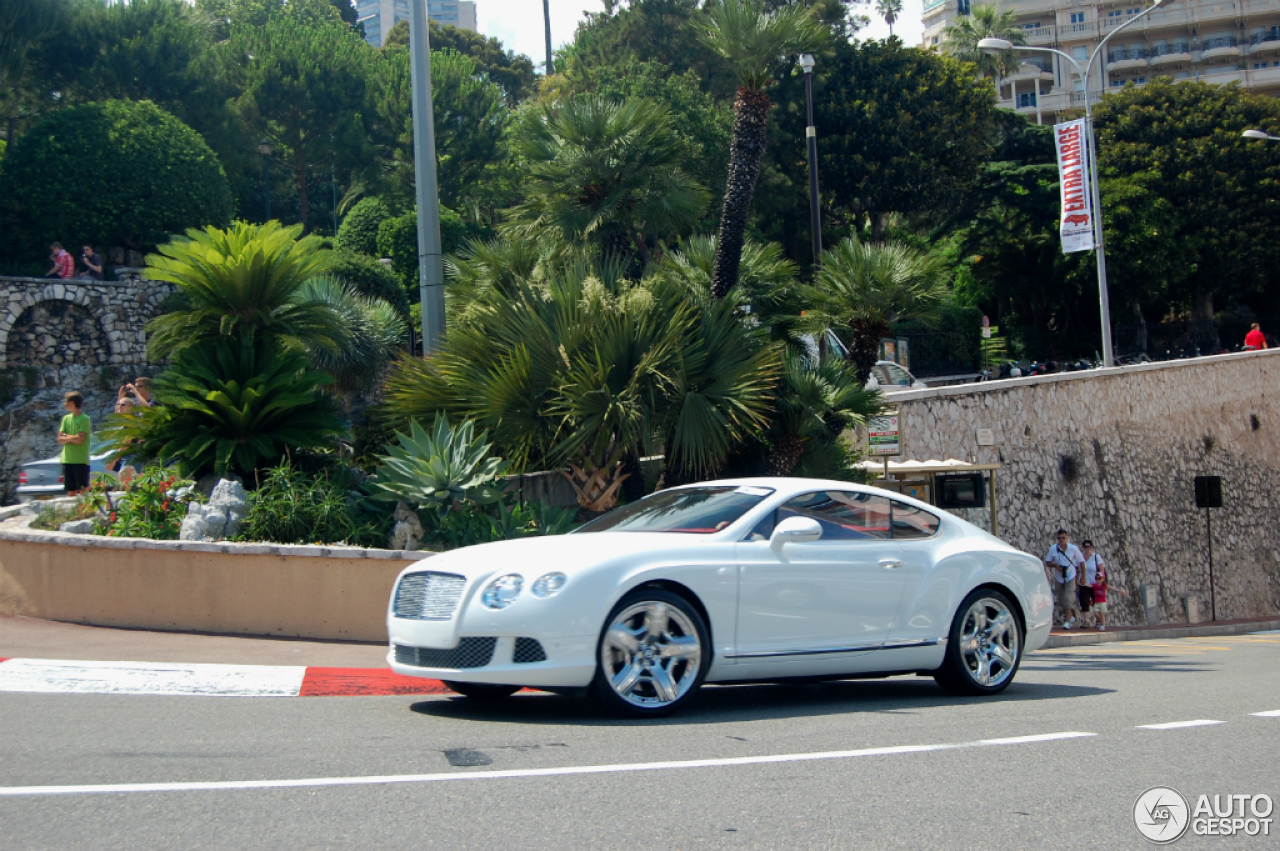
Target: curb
{"points": [[1084, 639]]}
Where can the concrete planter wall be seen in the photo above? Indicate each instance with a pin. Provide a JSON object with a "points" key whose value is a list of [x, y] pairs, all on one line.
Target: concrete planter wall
{"points": [[248, 589]]}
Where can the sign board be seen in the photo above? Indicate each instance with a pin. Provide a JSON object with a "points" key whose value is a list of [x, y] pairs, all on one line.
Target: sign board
{"points": [[1076, 217], [884, 435], [889, 350], [904, 352], [986, 437]]}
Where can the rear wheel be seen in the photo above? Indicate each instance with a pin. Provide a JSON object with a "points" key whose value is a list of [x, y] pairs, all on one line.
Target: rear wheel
{"points": [[652, 656], [481, 691], [985, 646]]}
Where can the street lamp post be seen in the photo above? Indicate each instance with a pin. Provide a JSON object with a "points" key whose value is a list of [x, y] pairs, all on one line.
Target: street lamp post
{"points": [[264, 148], [430, 262], [1000, 45], [1259, 135], [811, 135]]}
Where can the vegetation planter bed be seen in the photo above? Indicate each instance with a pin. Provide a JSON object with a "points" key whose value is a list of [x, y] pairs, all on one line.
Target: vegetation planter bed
{"points": [[247, 589]]}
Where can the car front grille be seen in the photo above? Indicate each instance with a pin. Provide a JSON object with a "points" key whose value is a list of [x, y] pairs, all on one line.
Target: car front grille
{"points": [[471, 652], [428, 596], [528, 650]]}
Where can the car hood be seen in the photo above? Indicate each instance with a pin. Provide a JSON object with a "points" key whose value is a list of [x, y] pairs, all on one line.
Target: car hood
{"points": [[568, 554]]}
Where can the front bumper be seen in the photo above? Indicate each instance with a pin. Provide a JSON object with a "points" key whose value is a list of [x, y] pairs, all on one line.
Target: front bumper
{"points": [[567, 661]]}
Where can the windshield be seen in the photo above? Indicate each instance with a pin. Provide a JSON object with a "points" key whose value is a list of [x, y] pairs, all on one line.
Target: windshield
{"points": [[696, 511]]}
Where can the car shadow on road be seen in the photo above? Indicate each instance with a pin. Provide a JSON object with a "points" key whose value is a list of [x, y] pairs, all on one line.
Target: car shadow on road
{"points": [[718, 704], [1112, 662]]}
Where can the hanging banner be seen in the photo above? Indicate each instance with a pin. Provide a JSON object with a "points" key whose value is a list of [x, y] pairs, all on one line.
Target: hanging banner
{"points": [[1073, 176]]}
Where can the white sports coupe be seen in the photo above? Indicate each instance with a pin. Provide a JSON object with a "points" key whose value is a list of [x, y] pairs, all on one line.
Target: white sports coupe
{"points": [[742, 580]]}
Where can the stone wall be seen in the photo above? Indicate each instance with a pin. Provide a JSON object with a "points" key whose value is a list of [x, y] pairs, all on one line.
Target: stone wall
{"points": [[1111, 455]]}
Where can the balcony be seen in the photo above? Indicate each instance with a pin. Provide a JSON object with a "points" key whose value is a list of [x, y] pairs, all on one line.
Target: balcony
{"points": [[1214, 48], [1258, 7], [1269, 40], [1169, 54], [1125, 60], [1040, 35], [1110, 23], [1220, 75], [1177, 16], [1032, 69], [1075, 32], [1218, 12], [1263, 77]]}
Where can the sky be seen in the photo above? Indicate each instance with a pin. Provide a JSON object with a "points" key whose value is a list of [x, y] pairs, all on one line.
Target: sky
{"points": [[518, 23]]}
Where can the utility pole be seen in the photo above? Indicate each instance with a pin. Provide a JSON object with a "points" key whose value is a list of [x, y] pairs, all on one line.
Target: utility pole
{"points": [[430, 262], [546, 20]]}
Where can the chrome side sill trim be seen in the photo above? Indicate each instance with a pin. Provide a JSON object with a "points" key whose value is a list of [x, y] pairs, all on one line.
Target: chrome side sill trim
{"points": [[892, 645]]}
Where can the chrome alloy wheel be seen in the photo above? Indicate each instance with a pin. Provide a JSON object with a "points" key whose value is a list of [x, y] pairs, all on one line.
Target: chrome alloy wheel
{"points": [[651, 654], [989, 641]]}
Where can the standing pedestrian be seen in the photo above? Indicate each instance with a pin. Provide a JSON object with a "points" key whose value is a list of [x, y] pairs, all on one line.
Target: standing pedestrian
{"points": [[64, 265], [73, 435], [1101, 587], [1255, 340], [1089, 584], [1064, 560]]}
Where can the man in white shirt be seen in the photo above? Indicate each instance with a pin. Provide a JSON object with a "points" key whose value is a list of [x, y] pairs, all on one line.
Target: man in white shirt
{"points": [[1064, 561]]}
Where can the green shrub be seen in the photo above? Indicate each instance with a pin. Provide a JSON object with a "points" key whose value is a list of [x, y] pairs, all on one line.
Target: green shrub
{"points": [[324, 507], [358, 232], [435, 471], [398, 240], [370, 277], [152, 505], [109, 173], [474, 524]]}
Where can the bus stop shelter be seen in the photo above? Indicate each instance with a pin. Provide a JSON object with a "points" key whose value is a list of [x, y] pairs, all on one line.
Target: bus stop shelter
{"points": [[951, 485]]}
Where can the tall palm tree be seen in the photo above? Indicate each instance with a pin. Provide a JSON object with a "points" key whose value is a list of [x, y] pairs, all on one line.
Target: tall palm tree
{"points": [[986, 21], [753, 41], [863, 288], [889, 10], [244, 281], [598, 168]]}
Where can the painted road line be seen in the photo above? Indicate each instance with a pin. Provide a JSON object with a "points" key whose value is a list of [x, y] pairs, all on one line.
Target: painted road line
{"points": [[15, 791], [1175, 725], [1274, 713], [58, 676]]}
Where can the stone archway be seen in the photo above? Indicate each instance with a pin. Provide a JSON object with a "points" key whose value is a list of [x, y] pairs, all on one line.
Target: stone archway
{"points": [[56, 333]]}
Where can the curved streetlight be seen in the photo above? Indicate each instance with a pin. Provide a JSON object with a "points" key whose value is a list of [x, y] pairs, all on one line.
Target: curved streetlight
{"points": [[806, 63], [1000, 45], [1258, 134]]}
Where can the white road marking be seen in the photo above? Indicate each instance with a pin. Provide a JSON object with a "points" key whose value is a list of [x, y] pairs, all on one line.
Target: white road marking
{"points": [[1274, 713], [52, 676], [14, 791], [1174, 725]]}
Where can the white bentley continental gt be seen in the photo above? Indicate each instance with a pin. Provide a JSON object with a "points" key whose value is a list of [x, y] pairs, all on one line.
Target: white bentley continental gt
{"points": [[741, 580]]}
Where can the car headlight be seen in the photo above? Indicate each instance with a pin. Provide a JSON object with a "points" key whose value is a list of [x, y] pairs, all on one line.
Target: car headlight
{"points": [[549, 585], [502, 592]]}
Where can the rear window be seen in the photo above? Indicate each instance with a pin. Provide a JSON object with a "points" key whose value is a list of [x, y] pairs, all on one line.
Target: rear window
{"points": [[693, 511]]}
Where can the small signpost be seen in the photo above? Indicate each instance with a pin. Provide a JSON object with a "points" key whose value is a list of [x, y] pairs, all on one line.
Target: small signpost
{"points": [[986, 327], [884, 437]]}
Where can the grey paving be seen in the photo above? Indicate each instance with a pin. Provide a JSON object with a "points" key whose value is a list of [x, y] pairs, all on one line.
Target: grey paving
{"points": [[1061, 794]]}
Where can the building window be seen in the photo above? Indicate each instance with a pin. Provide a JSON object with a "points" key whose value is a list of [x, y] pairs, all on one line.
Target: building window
{"points": [[934, 41], [1139, 81], [1115, 84], [1259, 65], [1080, 52], [1114, 13], [1026, 99], [1077, 17], [1034, 26], [1132, 11]]}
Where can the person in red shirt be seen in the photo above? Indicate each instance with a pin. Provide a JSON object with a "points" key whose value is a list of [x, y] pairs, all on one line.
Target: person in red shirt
{"points": [[64, 265], [1255, 340]]}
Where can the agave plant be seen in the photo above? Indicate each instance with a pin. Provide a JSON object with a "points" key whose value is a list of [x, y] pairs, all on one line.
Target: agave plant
{"points": [[227, 408], [436, 470]]}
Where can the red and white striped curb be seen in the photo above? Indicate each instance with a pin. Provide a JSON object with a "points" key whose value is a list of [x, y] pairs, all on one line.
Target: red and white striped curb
{"points": [[58, 676]]}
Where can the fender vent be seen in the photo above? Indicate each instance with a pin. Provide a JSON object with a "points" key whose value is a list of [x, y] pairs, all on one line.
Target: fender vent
{"points": [[528, 650]]}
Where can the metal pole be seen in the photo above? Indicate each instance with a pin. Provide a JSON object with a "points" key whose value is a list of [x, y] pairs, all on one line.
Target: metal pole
{"points": [[546, 20], [333, 183], [1213, 598], [266, 189], [430, 262], [811, 134]]}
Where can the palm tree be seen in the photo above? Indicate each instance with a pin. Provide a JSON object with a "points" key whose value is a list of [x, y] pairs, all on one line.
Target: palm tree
{"points": [[863, 288], [818, 400], [986, 21], [753, 41], [243, 281], [889, 10], [594, 166], [377, 332]]}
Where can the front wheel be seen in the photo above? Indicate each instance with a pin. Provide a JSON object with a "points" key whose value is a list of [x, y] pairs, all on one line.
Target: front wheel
{"points": [[653, 655], [481, 691], [984, 647]]}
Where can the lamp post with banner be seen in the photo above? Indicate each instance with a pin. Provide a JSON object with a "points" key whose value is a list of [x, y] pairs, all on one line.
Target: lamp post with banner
{"points": [[1090, 162]]}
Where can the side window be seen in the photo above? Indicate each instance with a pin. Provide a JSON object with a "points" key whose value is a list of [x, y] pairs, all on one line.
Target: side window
{"points": [[911, 523], [844, 515], [899, 376], [882, 375]]}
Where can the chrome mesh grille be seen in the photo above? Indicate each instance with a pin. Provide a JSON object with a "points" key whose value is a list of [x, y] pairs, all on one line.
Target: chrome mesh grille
{"points": [[429, 596], [528, 650], [471, 652]]}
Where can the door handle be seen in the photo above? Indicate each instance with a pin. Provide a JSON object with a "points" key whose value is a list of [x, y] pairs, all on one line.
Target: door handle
{"points": [[891, 563]]}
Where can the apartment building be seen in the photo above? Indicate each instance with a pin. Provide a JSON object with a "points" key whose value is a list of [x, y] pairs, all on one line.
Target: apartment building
{"points": [[1217, 41], [379, 16]]}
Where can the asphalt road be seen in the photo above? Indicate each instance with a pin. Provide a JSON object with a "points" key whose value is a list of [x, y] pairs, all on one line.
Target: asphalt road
{"points": [[875, 786]]}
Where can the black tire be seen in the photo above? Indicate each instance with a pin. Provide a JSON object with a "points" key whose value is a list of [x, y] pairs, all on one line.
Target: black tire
{"points": [[971, 645], [665, 669], [482, 691]]}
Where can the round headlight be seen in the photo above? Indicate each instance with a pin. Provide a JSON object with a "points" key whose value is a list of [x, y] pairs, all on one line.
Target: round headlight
{"points": [[502, 592], [549, 584]]}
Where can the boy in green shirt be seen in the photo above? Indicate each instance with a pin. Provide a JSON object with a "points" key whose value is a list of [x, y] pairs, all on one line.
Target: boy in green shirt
{"points": [[73, 434]]}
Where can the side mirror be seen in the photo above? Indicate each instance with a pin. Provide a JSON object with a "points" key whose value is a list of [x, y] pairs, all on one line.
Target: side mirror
{"points": [[795, 530]]}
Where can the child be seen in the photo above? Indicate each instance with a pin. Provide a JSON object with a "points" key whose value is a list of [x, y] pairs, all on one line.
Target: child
{"points": [[73, 434], [1100, 585]]}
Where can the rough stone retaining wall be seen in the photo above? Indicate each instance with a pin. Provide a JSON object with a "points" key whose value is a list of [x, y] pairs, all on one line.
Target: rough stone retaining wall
{"points": [[1111, 455], [246, 589]]}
